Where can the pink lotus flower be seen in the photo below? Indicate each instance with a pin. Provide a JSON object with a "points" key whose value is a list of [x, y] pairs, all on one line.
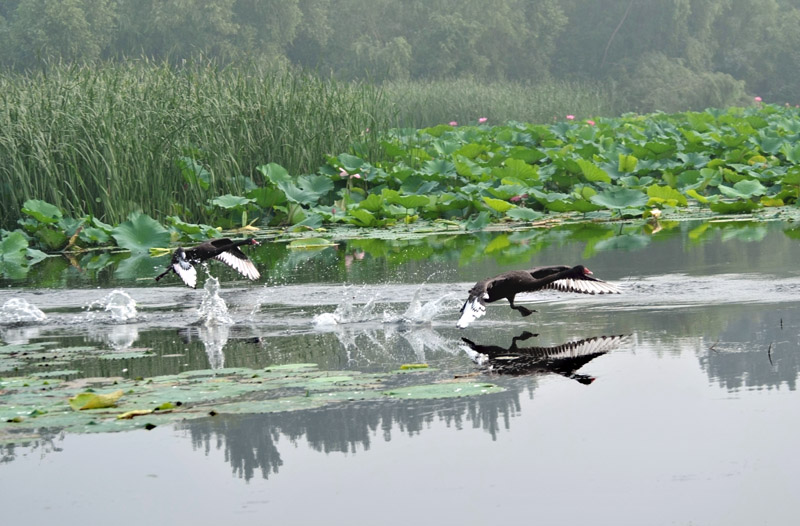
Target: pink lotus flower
{"points": [[757, 99], [343, 173], [355, 176], [482, 120], [590, 123], [453, 123], [570, 117], [517, 198]]}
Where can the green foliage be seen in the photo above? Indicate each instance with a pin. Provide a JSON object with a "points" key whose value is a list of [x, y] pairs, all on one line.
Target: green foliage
{"points": [[660, 83], [140, 233], [668, 56], [15, 256], [113, 139], [733, 161]]}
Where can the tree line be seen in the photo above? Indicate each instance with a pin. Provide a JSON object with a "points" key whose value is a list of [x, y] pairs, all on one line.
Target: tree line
{"points": [[662, 54]]}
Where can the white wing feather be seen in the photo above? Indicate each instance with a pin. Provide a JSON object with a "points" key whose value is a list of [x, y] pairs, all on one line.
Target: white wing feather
{"points": [[245, 267], [186, 272], [472, 310], [583, 286]]}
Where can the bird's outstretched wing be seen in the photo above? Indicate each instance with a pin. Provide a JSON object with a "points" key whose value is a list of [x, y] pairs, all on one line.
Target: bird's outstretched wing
{"points": [[583, 285], [475, 306], [184, 270], [237, 260]]}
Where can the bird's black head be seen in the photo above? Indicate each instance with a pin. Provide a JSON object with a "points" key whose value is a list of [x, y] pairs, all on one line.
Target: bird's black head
{"points": [[580, 269]]}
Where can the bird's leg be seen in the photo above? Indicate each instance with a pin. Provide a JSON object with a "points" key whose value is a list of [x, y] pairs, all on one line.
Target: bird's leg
{"points": [[164, 273], [522, 310]]}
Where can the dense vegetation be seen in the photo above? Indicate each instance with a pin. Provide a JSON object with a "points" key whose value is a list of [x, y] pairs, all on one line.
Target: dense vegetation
{"points": [[115, 139], [415, 111], [111, 139], [668, 55], [467, 176]]}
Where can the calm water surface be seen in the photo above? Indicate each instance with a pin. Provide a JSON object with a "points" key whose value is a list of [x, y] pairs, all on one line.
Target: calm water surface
{"points": [[691, 417]]}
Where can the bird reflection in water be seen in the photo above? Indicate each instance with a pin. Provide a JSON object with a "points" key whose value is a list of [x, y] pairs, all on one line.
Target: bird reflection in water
{"points": [[564, 359]]}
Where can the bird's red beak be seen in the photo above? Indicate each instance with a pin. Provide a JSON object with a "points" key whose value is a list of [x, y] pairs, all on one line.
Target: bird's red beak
{"points": [[587, 271], [254, 242]]}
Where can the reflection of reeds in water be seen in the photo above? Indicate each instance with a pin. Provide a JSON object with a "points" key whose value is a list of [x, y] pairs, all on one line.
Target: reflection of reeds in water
{"points": [[251, 443]]}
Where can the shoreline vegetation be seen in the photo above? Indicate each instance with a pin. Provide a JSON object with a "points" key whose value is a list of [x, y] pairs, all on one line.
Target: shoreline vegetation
{"points": [[139, 154], [136, 136]]}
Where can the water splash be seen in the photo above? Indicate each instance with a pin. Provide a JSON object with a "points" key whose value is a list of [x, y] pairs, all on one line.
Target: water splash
{"points": [[120, 305], [419, 311], [348, 312], [18, 310], [213, 310], [121, 337], [214, 338]]}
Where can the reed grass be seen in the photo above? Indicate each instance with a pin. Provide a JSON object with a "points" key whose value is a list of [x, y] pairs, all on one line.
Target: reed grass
{"points": [[105, 139], [428, 103]]}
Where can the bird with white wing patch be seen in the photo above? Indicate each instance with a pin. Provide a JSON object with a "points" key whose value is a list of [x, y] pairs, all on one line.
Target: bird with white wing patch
{"points": [[223, 249], [508, 284]]}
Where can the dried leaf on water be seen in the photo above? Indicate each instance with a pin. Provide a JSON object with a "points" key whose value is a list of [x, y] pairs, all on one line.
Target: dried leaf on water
{"points": [[83, 401]]}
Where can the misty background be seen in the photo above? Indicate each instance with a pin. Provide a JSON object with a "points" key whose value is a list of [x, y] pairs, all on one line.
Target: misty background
{"points": [[666, 55]]}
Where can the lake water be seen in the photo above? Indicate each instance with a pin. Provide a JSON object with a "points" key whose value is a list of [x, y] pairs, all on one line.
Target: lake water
{"points": [[688, 412]]}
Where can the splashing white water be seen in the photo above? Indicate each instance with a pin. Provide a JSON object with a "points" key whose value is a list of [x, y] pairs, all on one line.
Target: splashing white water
{"points": [[417, 311], [120, 305], [213, 309], [214, 338], [122, 337], [422, 312], [348, 312], [18, 310]]}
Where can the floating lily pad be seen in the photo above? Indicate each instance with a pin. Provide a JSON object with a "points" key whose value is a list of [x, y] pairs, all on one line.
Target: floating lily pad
{"points": [[444, 390], [85, 401], [33, 403]]}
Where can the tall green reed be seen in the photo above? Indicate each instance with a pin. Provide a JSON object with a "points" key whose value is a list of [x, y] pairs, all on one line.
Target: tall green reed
{"points": [[427, 103], [106, 139]]}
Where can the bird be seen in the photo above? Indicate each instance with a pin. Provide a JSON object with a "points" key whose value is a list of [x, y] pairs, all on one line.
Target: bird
{"points": [[564, 359], [222, 249], [508, 284]]}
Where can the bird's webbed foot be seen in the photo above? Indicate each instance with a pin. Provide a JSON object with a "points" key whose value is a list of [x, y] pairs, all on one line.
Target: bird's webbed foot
{"points": [[523, 310]]}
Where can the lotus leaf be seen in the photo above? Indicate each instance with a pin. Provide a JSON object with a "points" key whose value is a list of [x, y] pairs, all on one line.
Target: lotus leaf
{"points": [[517, 169], [194, 173], [350, 163], [13, 247], [84, 401], [619, 198], [443, 390], [42, 211], [498, 205], [627, 163], [665, 195], [743, 189], [229, 201], [737, 207], [362, 217], [592, 172], [140, 233]]}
